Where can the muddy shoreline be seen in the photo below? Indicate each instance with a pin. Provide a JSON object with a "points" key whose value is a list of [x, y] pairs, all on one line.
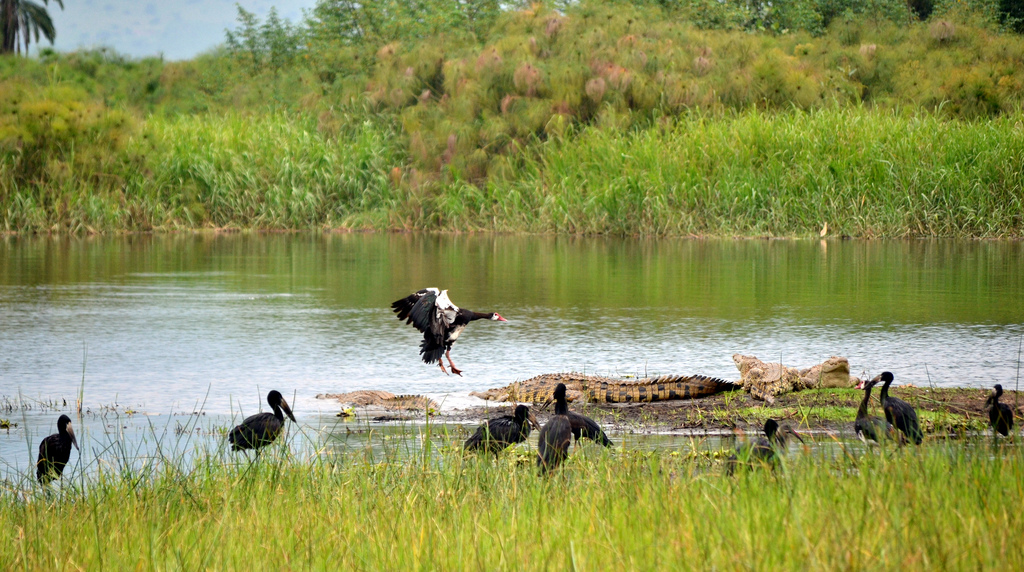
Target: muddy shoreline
{"points": [[942, 411]]}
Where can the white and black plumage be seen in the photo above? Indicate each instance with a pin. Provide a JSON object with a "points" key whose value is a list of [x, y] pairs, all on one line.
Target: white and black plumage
{"points": [[870, 426], [765, 450], [262, 428], [431, 312], [1000, 416], [898, 412], [553, 443], [55, 450], [503, 431]]}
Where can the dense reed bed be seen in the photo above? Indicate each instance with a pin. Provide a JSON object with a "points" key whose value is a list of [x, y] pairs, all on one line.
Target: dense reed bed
{"points": [[943, 506], [864, 172], [626, 118]]}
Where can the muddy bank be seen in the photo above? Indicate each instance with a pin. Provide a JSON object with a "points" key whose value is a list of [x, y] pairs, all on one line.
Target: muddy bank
{"points": [[942, 411]]}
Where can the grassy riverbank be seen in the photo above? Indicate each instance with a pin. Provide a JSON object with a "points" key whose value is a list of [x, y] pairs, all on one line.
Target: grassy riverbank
{"points": [[945, 506], [865, 173], [597, 117]]}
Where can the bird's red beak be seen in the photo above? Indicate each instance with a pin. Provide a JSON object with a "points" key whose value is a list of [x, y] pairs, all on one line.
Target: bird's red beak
{"points": [[499, 318]]}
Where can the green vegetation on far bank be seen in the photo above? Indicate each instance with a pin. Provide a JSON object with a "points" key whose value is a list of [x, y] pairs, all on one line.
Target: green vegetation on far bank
{"points": [[865, 173], [943, 505], [624, 118]]}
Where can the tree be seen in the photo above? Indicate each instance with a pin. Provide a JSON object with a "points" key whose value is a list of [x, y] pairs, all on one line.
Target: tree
{"points": [[24, 19]]}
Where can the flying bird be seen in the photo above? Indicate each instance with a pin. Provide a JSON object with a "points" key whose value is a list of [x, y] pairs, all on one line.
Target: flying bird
{"points": [[500, 432], [55, 450], [262, 428], [431, 312]]}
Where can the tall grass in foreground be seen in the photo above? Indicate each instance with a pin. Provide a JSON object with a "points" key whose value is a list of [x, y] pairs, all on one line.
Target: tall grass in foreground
{"points": [[939, 506]]}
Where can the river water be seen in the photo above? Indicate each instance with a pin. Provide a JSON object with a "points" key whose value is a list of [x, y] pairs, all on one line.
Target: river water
{"points": [[161, 326]]}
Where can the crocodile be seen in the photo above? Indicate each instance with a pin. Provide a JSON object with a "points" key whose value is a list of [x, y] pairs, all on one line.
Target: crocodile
{"points": [[764, 381], [598, 389], [833, 372], [385, 399]]}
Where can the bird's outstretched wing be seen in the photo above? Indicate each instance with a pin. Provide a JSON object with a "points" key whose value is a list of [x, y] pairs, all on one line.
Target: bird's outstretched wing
{"points": [[418, 309]]}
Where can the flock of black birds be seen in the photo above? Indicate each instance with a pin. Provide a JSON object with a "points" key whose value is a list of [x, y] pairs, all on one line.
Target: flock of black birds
{"points": [[441, 322]]}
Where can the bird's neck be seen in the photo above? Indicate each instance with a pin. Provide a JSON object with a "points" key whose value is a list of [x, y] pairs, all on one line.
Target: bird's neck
{"points": [[278, 413], [885, 390], [561, 407], [863, 410], [470, 315]]}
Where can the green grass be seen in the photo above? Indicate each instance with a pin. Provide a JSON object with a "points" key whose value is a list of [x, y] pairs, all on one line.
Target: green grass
{"points": [[865, 173], [940, 506]]}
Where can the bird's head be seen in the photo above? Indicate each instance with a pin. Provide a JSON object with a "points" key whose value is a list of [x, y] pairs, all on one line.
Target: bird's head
{"points": [[559, 392], [523, 413], [998, 389], [884, 377], [64, 426], [788, 431], [275, 399], [497, 317]]}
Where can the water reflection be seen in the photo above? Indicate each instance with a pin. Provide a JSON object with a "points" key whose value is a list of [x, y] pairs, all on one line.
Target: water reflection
{"points": [[211, 322]]}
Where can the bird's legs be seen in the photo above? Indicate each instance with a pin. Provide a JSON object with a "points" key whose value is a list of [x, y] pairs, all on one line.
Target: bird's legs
{"points": [[455, 370], [440, 363]]}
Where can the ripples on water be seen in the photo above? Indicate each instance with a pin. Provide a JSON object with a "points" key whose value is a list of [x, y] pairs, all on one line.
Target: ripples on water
{"points": [[172, 324]]}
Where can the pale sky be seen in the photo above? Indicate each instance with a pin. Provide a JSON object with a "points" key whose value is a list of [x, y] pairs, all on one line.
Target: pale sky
{"points": [[179, 29]]}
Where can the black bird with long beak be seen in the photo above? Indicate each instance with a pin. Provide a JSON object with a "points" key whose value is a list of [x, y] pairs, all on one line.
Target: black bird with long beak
{"points": [[441, 322], [262, 428], [765, 450], [1000, 416], [898, 412], [870, 426], [584, 427], [55, 450], [500, 432], [553, 443]]}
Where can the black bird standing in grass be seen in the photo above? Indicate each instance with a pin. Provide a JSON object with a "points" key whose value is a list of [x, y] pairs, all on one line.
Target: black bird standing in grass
{"points": [[898, 412], [584, 427], [503, 431], [261, 429], [553, 444], [1000, 416], [765, 450], [870, 426], [55, 450], [431, 312]]}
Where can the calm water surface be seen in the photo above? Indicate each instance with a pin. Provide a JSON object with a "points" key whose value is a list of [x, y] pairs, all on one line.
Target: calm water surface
{"points": [[168, 325]]}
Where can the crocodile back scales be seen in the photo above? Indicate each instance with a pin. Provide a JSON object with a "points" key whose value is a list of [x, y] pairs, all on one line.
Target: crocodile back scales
{"points": [[610, 390]]}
